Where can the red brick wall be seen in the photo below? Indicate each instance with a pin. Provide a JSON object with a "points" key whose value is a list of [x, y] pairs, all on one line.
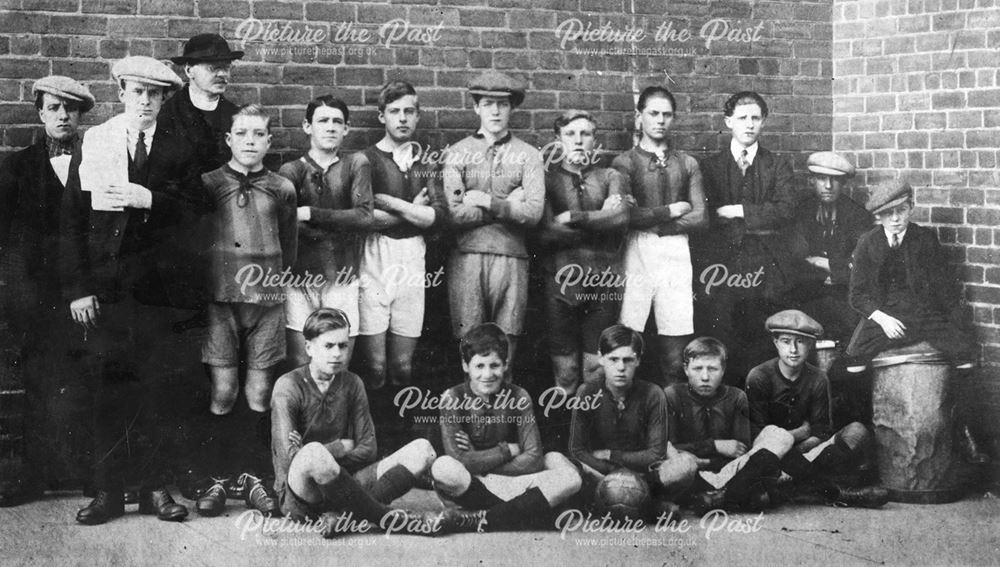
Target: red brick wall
{"points": [[789, 62]]}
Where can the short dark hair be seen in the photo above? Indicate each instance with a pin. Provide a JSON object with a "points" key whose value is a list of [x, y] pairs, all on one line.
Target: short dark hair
{"points": [[617, 336], [705, 346], [71, 105], [484, 339], [254, 110], [323, 320], [654, 91], [569, 116], [744, 97], [327, 100], [393, 91]]}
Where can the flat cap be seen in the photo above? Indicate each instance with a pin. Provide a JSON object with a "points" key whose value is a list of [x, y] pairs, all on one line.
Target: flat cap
{"points": [[145, 70], [66, 88], [495, 83], [888, 195], [206, 47], [830, 163], [795, 322]]}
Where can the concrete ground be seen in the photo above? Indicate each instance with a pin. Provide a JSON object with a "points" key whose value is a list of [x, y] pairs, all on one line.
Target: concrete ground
{"points": [[962, 533]]}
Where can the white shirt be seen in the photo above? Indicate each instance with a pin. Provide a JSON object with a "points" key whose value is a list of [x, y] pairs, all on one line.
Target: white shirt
{"points": [[888, 236], [133, 137], [737, 150], [60, 164]]}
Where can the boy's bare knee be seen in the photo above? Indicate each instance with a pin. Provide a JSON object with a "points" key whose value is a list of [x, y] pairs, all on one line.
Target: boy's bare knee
{"points": [[449, 475]]}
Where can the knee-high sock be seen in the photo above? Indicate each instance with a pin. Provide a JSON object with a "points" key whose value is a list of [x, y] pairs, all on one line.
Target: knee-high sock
{"points": [[345, 492], [394, 483], [477, 497], [528, 511], [258, 459], [217, 445], [761, 469]]}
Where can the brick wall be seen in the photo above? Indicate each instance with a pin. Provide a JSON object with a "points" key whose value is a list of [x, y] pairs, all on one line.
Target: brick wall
{"points": [[916, 92], [789, 60]]}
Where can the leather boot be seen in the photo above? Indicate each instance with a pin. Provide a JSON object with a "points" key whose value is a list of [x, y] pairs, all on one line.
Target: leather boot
{"points": [[158, 501], [105, 506]]}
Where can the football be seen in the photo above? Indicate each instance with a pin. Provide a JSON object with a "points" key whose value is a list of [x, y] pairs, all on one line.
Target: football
{"points": [[624, 494]]}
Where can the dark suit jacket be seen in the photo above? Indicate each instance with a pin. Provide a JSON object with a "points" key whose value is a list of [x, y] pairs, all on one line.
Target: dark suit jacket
{"points": [[769, 207], [852, 221], [180, 117], [30, 196], [928, 273], [94, 244]]}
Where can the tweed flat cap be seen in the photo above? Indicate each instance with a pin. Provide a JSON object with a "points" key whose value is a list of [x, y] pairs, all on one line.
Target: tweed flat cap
{"points": [[65, 87], [795, 322], [888, 195], [145, 70], [494, 83], [830, 163], [206, 47]]}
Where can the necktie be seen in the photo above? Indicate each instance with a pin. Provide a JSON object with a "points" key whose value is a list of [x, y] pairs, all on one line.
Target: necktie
{"points": [[895, 241], [744, 162], [139, 156], [706, 421]]}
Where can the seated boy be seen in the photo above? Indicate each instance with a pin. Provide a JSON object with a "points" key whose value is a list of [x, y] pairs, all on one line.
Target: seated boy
{"points": [[494, 462], [324, 442], [705, 417], [253, 226], [623, 423], [794, 395], [903, 286]]}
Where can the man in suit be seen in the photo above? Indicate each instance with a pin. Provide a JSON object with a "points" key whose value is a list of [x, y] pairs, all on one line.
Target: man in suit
{"points": [[125, 196], [741, 266], [31, 189], [827, 227]]}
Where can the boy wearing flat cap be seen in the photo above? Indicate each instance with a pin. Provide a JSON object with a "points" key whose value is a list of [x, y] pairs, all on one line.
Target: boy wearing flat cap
{"points": [[794, 395], [132, 185], [903, 285], [495, 187], [31, 188], [827, 227]]}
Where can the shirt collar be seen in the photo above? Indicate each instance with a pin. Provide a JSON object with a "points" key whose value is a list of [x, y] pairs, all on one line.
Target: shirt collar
{"points": [[309, 160], [253, 174], [902, 235], [700, 400], [736, 149], [481, 136], [133, 134]]}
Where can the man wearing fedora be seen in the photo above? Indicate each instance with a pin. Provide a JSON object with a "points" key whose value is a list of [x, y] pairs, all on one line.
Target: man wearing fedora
{"points": [[126, 195], [827, 227], [495, 185], [200, 114], [31, 188]]}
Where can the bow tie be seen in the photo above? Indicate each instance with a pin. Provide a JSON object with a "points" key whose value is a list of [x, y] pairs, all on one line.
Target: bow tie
{"points": [[60, 147]]}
